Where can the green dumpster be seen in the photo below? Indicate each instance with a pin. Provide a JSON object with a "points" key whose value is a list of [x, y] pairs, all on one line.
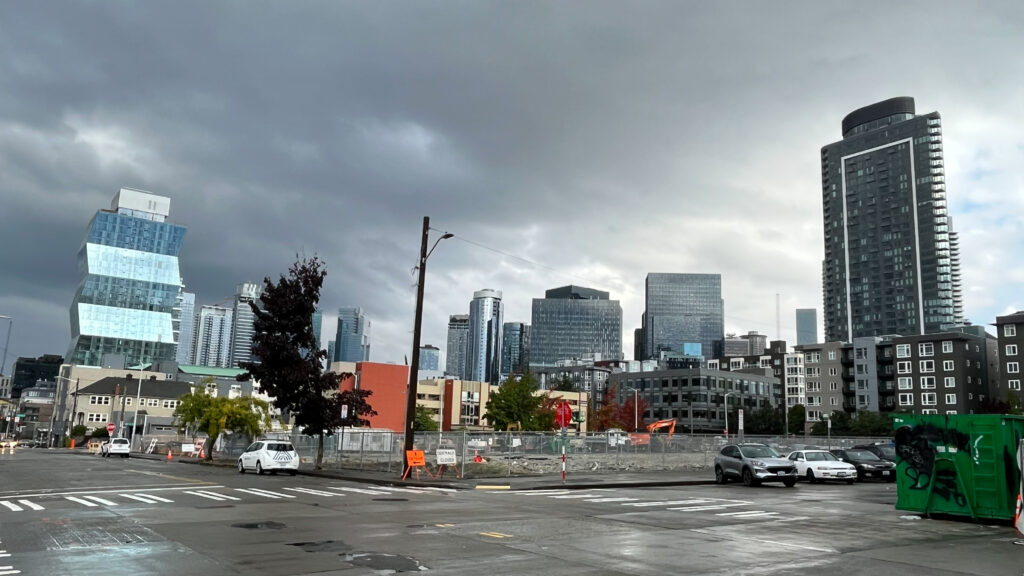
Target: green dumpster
{"points": [[958, 464]]}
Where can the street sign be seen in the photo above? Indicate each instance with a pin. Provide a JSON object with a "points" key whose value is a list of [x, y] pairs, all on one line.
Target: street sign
{"points": [[739, 426], [110, 427], [563, 414], [446, 456]]}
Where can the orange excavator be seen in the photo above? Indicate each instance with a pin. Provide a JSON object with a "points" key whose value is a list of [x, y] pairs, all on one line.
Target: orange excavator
{"points": [[641, 439]]}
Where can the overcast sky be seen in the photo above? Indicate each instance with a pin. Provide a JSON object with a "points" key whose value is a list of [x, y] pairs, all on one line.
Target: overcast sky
{"points": [[561, 142]]}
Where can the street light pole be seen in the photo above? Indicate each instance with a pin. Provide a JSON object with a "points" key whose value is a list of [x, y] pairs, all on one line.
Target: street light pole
{"points": [[10, 327], [410, 407], [726, 400]]}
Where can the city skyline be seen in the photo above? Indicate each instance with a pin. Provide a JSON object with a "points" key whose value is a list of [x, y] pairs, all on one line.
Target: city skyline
{"points": [[712, 167]]}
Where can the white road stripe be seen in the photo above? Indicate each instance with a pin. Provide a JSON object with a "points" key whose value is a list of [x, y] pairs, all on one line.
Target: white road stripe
{"points": [[437, 489], [773, 542], [6, 571], [311, 491], [667, 503], [397, 489], [700, 508], [540, 492], [102, 500], [209, 495], [761, 515], [31, 505], [611, 500], [740, 513], [80, 500], [359, 490], [140, 498], [12, 506], [270, 493], [157, 498], [575, 496], [4, 554]]}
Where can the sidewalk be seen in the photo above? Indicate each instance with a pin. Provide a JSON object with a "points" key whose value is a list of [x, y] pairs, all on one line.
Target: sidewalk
{"points": [[573, 481]]}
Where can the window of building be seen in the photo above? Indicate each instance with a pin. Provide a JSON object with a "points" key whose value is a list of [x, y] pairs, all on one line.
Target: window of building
{"points": [[903, 367], [926, 349], [950, 411], [1009, 330], [99, 400], [947, 346], [128, 401], [831, 354], [903, 350], [1014, 384], [154, 402], [950, 382], [950, 398], [905, 383], [929, 399], [834, 401], [170, 404], [929, 411], [833, 371], [927, 365], [927, 382], [906, 399], [94, 417], [1012, 367], [834, 386], [1011, 349], [947, 365]]}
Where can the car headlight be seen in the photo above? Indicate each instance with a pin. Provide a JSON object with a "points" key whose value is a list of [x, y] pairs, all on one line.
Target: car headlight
{"points": [[759, 464], [868, 467]]}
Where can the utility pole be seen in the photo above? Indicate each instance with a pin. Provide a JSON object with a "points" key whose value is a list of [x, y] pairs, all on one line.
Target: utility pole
{"points": [[410, 407]]}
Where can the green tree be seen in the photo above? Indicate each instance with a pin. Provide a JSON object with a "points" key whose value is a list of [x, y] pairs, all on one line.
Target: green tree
{"points": [[290, 364], [515, 401], [840, 425], [198, 411], [765, 420], [355, 405], [424, 419], [797, 419], [564, 384]]}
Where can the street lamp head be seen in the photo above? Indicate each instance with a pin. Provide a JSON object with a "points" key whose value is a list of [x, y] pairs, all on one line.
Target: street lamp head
{"points": [[447, 235]]}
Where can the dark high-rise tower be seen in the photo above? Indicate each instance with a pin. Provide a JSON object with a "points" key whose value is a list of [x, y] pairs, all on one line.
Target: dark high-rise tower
{"points": [[572, 322], [891, 256], [683, 311]]}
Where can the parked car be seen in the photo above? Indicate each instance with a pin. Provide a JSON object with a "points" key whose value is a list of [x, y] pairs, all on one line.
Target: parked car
{"points": [[868, 465], [753, 464], [116, 447], [821, 465], [883, 451], [269, 456]]}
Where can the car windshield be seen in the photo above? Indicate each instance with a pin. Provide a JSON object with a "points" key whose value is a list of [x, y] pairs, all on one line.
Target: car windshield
{"points": [[820, 457], [279, 447], [120, 441], [758, 452], [861, 455], [887, 451]]}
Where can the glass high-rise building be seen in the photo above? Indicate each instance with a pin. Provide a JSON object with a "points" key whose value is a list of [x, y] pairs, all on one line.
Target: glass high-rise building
{"points": [[430, 357], [483, 345], [458, 339], [318, 326], [186, 329], [242, 323], [683, 309], [515, 349], [573, 322], [806, 326], [352, 342], [213, 337], [127, 301], [891, 256]]}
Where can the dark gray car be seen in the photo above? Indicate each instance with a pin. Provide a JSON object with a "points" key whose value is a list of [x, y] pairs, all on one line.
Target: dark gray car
{"points": [[753, 464]]}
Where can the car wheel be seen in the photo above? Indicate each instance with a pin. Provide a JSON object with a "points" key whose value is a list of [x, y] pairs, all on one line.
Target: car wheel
{"points": [[293, 472], [810, 477], [241, 468], [748, 478], [720, 475], [259, 468], [860, 475], [790, 482]]}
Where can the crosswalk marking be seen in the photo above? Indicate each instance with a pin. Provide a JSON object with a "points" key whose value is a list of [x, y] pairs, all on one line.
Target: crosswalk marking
{"points": [[157, 498], [359, 490], [103, 501], [80, 500], [6, 570], [311, 491], [211, 495], [741, 513], [407, 490], [602, 500], [575, 496], [147, 498], [439, 489], [668, 503], [264, 493], [11, 505], [31, 505], [541, 492], [701, 508]]}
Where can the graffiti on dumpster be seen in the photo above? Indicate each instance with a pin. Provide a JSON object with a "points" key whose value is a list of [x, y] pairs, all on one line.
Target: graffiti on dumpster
{"points": [[915, 445]]}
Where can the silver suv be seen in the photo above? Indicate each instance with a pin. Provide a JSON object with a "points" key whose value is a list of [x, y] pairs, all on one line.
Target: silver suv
{"points": [[753, 464]]}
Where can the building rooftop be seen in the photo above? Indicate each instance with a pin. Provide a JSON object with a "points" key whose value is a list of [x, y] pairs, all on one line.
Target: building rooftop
{"points": [[130, 387]]}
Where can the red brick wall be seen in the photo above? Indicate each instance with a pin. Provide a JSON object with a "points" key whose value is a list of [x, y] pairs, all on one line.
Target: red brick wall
{"points": [[388, 383]]}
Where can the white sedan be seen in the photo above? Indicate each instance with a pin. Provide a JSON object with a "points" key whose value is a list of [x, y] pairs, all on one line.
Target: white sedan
{"points": [[821, 465], [269, 456]]}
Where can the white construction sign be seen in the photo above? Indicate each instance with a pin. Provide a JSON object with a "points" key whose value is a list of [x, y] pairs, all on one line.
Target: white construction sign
{"points": [[446, 456]]}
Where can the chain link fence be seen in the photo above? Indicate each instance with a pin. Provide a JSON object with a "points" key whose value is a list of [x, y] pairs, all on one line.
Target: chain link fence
{"points": [[502, 454]]}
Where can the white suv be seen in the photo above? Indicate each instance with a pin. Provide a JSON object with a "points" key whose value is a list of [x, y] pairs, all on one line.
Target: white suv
{"points": [[269, 456], [116, 446]]}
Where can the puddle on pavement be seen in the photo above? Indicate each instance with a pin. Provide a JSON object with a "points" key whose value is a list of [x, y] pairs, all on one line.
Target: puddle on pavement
{"points": [[385, 563], [322, 546], [268, 525]]}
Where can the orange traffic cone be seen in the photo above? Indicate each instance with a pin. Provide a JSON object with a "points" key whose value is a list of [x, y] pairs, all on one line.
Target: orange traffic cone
{"points": [[476, 456], [169, 457]]}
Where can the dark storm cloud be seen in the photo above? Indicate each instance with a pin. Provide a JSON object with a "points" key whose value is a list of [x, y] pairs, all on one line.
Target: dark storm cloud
{"points": [[601, 141]]}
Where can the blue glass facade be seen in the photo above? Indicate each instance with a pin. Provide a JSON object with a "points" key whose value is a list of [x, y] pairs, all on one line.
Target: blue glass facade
{"points": [[681, 309], [573, 322], [352, 342], [128, 300]]}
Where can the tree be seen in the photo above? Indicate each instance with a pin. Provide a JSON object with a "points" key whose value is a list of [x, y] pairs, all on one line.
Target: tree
{"points": [[765, 420], [514, 402], [564, 384], [797, 419], [424, 420], [608, 415], [356, 407], [290, 365], [198, 411]]}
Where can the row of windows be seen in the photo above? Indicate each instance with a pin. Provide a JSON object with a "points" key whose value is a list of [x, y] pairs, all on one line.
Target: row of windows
{"points": [[906, 367], [928, 348], [927, 399], [153, 402], [927, 382]]}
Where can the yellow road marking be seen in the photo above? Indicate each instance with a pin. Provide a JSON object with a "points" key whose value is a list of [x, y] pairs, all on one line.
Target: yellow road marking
{"points": [[495, 535], [444, 525]]}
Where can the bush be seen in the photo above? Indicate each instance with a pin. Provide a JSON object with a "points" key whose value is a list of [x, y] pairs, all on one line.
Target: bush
{"points": [[100, 432], [80, 431]]}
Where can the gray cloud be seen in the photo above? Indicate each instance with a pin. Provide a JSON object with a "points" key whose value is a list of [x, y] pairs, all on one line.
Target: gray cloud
{"points": [[600, 141]]}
